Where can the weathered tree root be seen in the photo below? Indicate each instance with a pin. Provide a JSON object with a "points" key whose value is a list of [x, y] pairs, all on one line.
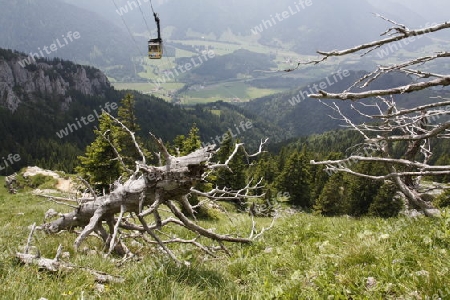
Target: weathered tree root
{"points": [[142, 195]]}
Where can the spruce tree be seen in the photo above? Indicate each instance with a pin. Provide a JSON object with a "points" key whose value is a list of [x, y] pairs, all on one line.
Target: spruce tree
{"points": [[320, 177], [183, 145], [192, 142], [127, 116], [362, 191], [295, 179], [100, 165], [331, 201], [385, 203], [265, 168], [235, 179]]}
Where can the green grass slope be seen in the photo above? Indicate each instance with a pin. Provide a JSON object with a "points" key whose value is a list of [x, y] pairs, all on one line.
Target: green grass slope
{"points": [[302, 257]]}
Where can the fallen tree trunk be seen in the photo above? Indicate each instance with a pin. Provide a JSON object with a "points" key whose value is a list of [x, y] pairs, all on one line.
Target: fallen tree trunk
{"points": [[141, 195]]}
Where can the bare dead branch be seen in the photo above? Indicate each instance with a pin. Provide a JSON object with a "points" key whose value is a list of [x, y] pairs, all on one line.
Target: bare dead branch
{"points": [[200, 230], [163, 149], [228, 194], [158, 240], [236, 149], [118, 156], [132, 135], [30, 237], [416, 109], [116, 229], [355, 158], [400, 34], [444, 81], [88, 186], [254, 234]]}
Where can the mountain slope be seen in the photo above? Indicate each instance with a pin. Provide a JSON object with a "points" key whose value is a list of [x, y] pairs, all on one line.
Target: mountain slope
{"points": [[48, 111], [299, 115]]}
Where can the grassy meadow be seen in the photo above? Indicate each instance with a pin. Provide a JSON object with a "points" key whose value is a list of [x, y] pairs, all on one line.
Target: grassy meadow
{"points": [[302, 257]]}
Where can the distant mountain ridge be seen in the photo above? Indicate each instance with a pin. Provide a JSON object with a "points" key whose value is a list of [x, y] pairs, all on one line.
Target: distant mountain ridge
{"points": [[22, 80]]}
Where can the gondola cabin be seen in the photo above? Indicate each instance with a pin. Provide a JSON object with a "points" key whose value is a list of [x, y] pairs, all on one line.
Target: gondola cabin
{"points": [[155, 49]]}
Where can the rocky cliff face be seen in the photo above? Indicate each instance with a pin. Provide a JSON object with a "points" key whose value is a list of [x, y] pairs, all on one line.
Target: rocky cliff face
{"points": [[56, 80]]}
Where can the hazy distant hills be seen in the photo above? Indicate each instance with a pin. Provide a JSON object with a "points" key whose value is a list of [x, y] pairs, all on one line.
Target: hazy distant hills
{"points": [[30, 26], [286, 23], [415, 12], [299, 115], [34, 26]]}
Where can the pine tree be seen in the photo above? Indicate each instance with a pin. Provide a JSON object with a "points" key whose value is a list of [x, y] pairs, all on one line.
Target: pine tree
{"points": [[100, 165], [192, 142], [265, 168], [385, 203], [236, 178], [126, 115], [331, 201], [183, 145], [362, 191], [321, 177], [295, 179], [177, 145]]}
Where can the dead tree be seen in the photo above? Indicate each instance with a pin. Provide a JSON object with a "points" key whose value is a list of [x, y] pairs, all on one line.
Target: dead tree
{"points": [[132, 210], [409, 129]]}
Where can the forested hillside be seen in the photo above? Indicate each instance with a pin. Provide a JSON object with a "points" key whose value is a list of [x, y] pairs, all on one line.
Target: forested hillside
{"points": [[40, 100], [300, 115], [288, 175], [42, 106]]}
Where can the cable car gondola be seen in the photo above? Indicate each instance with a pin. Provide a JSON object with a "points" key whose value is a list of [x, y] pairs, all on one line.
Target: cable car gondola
{"points": [[155, 46]]}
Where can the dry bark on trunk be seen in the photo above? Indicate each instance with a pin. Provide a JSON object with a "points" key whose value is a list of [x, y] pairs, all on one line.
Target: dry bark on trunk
{"points": [[142, 194]]}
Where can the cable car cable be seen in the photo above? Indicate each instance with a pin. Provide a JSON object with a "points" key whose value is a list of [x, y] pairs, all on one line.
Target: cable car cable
{"points": [[145, 20], [129, 31], [151, 5]]}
